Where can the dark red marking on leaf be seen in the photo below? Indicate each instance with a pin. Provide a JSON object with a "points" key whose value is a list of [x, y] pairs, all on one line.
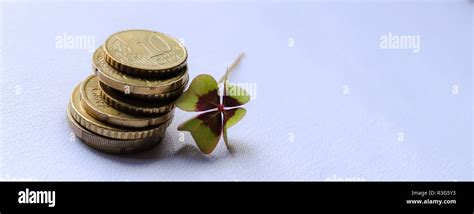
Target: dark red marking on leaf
{"points": [[230, 101], [213, 120], [228, 113], [208, 101]]}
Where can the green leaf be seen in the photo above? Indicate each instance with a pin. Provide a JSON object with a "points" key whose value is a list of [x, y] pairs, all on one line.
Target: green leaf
{"points": [[231, 117], [201, 95], [206, 130], [234, 96]]}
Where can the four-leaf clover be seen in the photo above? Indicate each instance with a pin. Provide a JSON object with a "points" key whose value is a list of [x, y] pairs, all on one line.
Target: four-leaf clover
{"points": [[220, 112]]}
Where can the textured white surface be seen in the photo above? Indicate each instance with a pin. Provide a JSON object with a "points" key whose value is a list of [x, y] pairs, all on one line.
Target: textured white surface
{"points": [[299, 90]]}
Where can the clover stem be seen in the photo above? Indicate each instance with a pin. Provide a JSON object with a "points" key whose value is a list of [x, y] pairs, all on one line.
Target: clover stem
{"points": [[231, 67]]}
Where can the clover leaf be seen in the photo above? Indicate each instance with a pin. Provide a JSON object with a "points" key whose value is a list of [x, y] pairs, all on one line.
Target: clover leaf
{"points": [[219, 112]]}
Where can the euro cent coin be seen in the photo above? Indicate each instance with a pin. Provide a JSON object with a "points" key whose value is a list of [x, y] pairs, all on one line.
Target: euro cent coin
{"points": [[96, 126], [96, 106], [144, 52], [140, 86], [132, 105], [109, 145]]}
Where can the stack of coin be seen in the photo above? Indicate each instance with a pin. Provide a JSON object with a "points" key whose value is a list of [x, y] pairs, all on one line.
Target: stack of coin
{"points": [[128, 103]]}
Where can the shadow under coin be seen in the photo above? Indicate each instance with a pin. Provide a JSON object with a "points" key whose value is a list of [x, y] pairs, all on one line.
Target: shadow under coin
{"points": [[156, 153], [165, 150]]}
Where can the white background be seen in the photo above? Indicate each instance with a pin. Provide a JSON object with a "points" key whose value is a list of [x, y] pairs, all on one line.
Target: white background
{"points": [[352, 136]]}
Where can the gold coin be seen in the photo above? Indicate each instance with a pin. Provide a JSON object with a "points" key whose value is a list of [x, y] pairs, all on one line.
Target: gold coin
{"points": [[90, 123], [135, 85], [109, 145], [169, 95], [132, 105], [98, 108], [154, 97], [144, 52]]}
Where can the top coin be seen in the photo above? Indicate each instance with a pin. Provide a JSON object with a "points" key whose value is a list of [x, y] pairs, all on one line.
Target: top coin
{"points": [[144, 52]]}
